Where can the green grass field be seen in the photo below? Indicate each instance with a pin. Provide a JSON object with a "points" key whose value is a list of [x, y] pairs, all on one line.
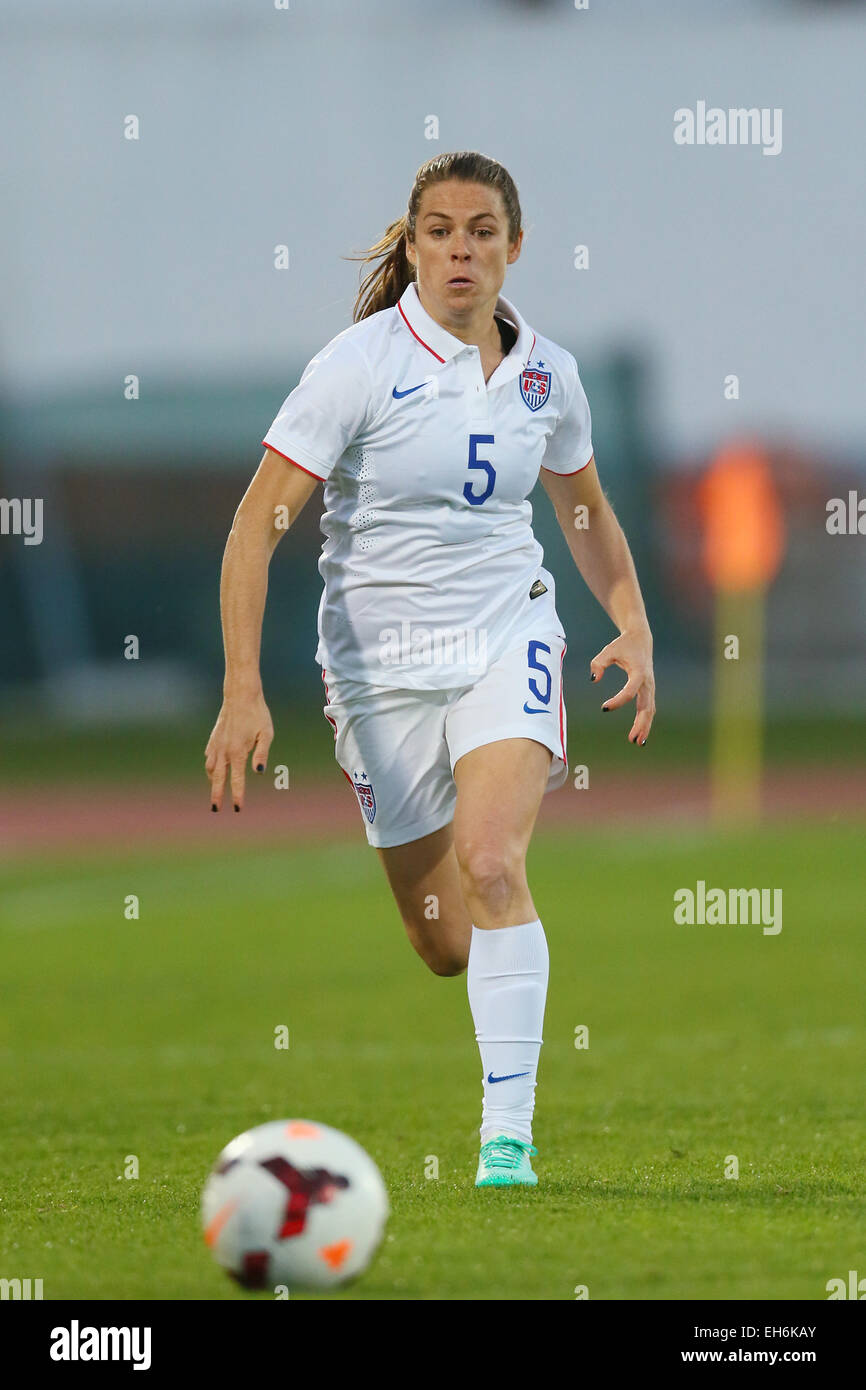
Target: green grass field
{"points": [[35, 755], [155, 1038]]}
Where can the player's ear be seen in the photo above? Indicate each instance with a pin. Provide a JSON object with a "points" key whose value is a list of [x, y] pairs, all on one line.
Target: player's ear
{"points": [[514, 248]]}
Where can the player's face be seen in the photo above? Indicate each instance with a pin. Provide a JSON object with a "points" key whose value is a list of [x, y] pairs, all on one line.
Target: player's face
{"points": [[461, 248]]}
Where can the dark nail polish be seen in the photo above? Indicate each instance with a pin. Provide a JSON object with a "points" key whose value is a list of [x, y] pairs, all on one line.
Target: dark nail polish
{"points": [[605, 709], [592, 677], [237, 808], [260, 768], [213, 807]]}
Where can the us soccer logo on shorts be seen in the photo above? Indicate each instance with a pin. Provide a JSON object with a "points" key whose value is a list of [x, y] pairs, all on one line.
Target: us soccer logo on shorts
{"points": [[366, 796], [534, 387]]}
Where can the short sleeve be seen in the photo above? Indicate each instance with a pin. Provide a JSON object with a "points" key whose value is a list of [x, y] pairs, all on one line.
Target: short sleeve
{"points": [[319, 419], [569, 447]]}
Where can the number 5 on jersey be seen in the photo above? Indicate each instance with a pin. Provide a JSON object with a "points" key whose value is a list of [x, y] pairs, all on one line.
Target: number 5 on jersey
{"points": [[476, 498]]}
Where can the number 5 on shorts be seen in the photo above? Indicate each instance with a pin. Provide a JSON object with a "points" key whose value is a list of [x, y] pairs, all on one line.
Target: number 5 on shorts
{"points": [[536, 665]]}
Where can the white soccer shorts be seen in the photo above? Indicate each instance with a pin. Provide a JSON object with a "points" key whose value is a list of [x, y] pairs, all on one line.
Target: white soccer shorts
{"points": [[398, 748]]}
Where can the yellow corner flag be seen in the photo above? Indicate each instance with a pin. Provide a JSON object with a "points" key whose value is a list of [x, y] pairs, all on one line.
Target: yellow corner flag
{"points": [[743, 545]]}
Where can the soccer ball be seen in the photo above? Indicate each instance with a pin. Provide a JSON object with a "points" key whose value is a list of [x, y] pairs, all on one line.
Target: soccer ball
{"points": [[294, 1202]]}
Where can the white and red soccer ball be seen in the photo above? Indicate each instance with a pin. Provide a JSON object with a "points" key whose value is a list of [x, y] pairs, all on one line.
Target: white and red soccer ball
{"points": [[294, 1203]]}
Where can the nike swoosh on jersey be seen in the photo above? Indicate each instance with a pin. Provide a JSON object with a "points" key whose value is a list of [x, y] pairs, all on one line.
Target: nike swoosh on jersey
{"points": [[398, 395], [493, 1079], [534, 711]]}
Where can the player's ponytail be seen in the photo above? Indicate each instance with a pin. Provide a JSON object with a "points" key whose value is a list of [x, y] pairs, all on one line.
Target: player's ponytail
{"points": [[385, 283]]}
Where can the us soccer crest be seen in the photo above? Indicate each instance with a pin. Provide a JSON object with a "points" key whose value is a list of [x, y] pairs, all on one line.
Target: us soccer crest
{"points": [[366, 795], [534, 387]]}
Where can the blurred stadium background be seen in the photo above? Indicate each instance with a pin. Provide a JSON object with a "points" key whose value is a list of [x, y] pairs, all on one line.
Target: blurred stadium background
{"points": [[302, 127], [155, 258]]}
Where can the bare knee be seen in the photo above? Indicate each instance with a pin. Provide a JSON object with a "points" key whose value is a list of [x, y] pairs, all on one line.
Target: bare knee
{"points": [[441, 958], [443, 952], [491, 874], [447, 965]]}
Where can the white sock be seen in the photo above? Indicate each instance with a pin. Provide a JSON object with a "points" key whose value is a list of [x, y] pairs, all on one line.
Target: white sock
{"points": [[507, 984]]}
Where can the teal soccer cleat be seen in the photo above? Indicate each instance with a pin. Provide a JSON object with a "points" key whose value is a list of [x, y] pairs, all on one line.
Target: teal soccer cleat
{"points": [[505, 1162]]}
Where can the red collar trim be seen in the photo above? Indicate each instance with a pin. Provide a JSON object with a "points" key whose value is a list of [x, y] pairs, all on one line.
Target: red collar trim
{"points": [[415, 335]]}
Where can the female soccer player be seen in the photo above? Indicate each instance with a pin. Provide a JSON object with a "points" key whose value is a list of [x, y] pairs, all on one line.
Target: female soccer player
{"points": [[429, 421]]}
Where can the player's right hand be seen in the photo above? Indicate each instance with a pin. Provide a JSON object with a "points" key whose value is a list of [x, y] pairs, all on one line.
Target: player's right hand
{"points": [[243, 724]]}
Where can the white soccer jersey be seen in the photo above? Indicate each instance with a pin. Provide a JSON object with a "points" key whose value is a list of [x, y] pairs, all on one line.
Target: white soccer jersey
{"points": [[429, 554]]}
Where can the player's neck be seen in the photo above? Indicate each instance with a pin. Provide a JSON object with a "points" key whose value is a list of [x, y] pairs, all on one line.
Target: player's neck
{"points": [[477, 328]]}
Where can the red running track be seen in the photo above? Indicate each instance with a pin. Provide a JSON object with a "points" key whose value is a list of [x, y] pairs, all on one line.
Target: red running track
{"points": [[37, 819]]}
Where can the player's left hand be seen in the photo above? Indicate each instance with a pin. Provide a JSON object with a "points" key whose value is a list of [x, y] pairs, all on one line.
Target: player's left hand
{"points": [[633, 653]]}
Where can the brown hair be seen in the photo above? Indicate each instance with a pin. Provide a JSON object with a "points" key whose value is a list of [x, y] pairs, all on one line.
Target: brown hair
{"points": [[384, 284]]}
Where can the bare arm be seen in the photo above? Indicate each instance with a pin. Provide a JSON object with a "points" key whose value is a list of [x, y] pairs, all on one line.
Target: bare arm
{"points": [[600, 551], [270, 505]]}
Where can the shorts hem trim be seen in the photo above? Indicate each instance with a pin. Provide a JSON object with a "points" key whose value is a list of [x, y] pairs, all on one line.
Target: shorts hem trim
{"points": [[553, 743], [402, 835]]}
